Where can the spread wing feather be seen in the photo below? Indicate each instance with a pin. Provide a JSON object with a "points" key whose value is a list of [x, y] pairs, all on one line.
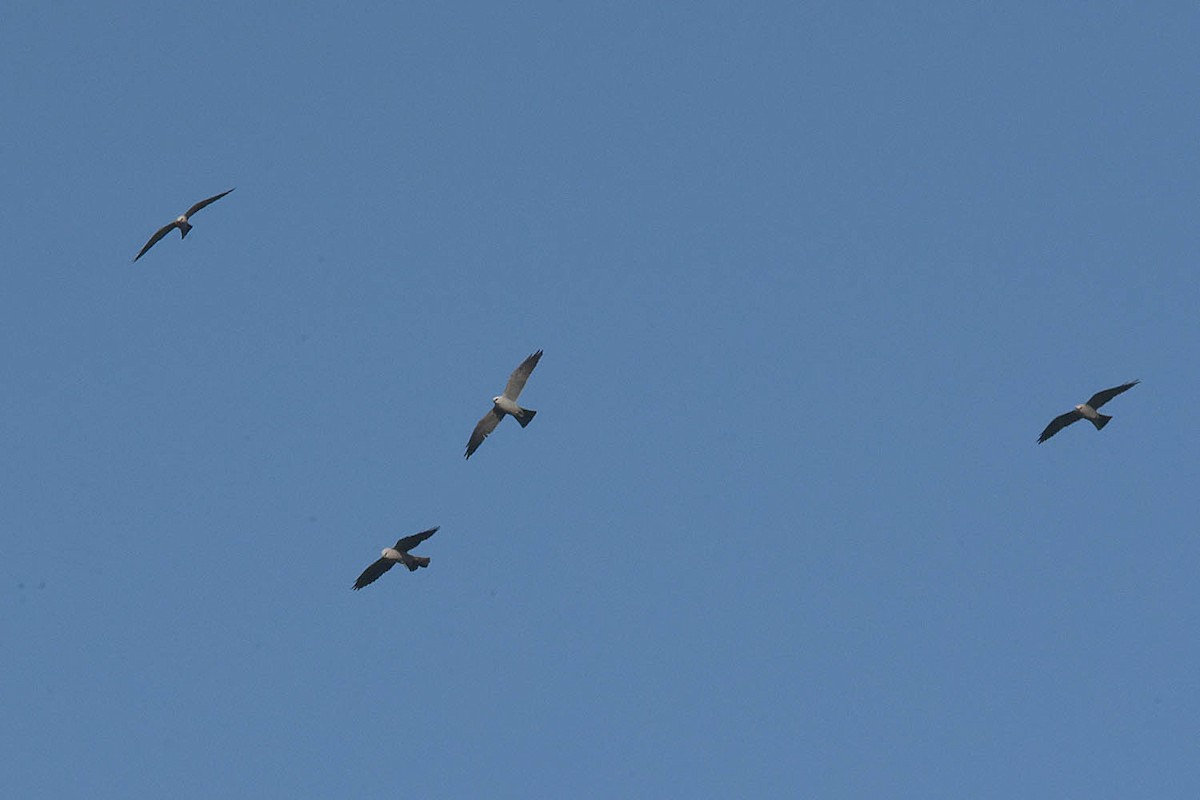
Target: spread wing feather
{"points": [[372, 573], [158, 234], [409, 542], [203, 203], [1100, 398], [516, 381], [486, 426], [1058, 423]]}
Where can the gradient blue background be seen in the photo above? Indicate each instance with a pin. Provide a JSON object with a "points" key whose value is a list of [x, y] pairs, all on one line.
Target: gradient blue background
{"points": [[810, 280]]}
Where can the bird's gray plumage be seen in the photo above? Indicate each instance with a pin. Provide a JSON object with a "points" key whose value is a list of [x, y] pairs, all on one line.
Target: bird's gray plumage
{"points": [[181, 222], [394, 555], [1088, 411], [506, 404]]}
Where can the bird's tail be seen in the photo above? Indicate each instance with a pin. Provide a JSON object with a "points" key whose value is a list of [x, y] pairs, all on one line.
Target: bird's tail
{"points": [[415, 562], [525, 417], [1102, 421], [183, 230]]}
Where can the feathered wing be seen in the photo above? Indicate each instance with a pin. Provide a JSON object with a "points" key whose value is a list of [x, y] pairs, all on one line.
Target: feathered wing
{"points": [[1058, 423], [486, 425], [1100, 398], [158, 234], [409, 542], [516, 381], [372, 573], [203, 203]]}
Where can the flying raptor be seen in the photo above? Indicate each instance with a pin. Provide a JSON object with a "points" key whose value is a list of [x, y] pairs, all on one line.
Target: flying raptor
{"points": [[506, 404], [392, 555], [1086, 411], [180, 222]]}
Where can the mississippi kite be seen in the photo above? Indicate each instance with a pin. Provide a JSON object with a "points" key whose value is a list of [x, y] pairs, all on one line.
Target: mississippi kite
{"points": [[392, 555], [1086, 411], [506, 404], [180, 222]]}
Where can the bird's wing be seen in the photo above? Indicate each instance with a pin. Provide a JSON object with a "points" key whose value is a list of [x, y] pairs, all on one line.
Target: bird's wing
{"points": [[158, 234], [203, 203], [516, 381], [1058, 423], [486, 425], [409, 542], [1100, 398], [372, 573]]}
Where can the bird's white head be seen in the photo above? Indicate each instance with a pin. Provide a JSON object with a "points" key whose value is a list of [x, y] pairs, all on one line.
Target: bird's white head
{"points": [[181, 218], [391, 552], [496, 400], [1080, 407]]}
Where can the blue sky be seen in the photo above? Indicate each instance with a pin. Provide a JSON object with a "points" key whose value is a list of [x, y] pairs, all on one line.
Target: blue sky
{"points": [[810, 279]]}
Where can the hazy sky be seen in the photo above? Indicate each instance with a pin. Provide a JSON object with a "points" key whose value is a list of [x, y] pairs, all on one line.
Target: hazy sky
{"points": [[810, 280]]}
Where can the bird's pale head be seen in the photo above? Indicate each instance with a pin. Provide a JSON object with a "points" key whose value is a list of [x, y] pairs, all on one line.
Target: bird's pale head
{"points": [[391, 552], [181, 218], [496, 400]]}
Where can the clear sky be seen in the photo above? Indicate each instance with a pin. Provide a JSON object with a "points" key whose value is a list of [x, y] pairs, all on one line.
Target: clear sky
{"points": [[810, 279]]}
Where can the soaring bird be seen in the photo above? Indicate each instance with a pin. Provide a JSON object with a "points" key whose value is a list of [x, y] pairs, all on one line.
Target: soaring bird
{"points": [[400, 554], [506, 404], [1086, 411], [180, 222]]}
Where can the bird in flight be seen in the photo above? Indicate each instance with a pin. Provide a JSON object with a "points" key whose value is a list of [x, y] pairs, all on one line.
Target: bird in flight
{"points": [[1086, 411], [393, 555], [506, 404], [180, 222]]}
